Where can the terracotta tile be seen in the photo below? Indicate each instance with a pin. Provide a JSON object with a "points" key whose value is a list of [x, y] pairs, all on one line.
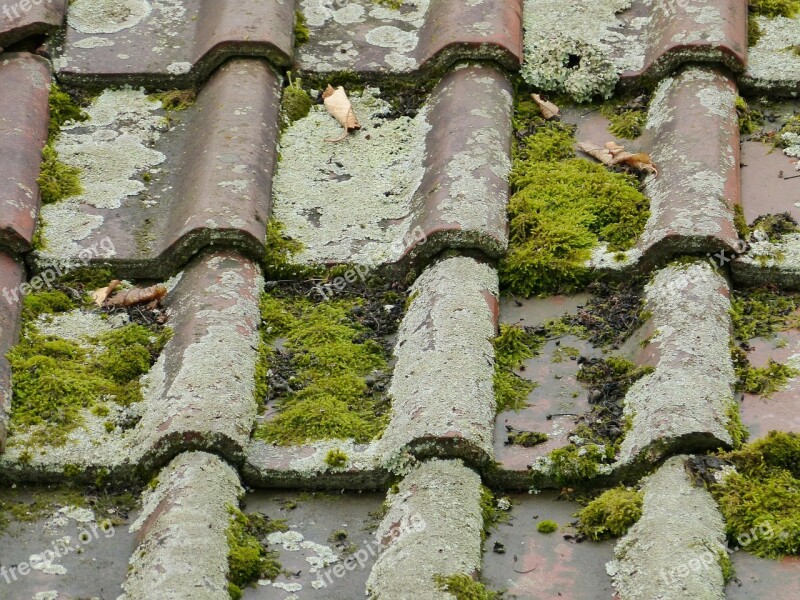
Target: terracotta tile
{"points": [[17, 23], [24, 85], [371, 39], [140, 48], [211, 180], [12, 274]]}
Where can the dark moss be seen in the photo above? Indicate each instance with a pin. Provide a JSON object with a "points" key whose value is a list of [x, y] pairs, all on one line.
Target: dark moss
{"points": [[761, 312], [295, 103], [492, 515], [176, 100], [750, 120], [754, 32], [301, 32], [775, 8], [612, 314], [775, 226], [527, 439], [740, 222]]}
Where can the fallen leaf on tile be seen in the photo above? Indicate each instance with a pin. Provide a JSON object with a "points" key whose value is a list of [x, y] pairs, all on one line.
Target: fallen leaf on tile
{"points": [[340, 108], [99, 295], [549, 110], [136, 296], [613, 154]]}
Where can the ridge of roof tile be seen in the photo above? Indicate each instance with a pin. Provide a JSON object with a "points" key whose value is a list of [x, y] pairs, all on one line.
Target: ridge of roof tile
{"points": [[21, 20]]}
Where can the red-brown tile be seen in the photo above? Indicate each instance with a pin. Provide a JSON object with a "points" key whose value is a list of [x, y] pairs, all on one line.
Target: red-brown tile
{"points": [[12, 274], [24, 85], [25, 18]]}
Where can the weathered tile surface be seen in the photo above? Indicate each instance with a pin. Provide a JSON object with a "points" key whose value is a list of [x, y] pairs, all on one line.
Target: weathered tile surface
{"points": [[422, 35], [171, 43], [23, 19], [163, 192], [12, 274], [24, 85]]}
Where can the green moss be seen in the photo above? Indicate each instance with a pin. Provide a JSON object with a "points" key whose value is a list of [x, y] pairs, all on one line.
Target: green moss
{"points": [[527, 439], [750, 120], [295, 103], [248, 557], [740, 222], [279, 250], [611, 513], [792, 125], [63, 109], [301, 32], [734, 425], [491, 514], [336, 459], [331, 354], [175, 100], [761, 312], [775, 8], [760, 501], [624, 123], [56, 379], [464, 587], [726, 566], [754, 32], [512, 347], [57, 180], [565, 352], [395, 4], [763, 381], [572, 465], [547, 526]]}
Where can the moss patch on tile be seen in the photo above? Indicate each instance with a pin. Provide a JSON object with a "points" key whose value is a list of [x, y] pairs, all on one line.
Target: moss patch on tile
{"points": [[761, 312], [295, 102], [561, 208], [547, 526], [491, 512], [248, 556], [627, 116], [56, 380], [610, 514], [175, 100], [760, 499], [464, 587], [324, 360], [527, 439], [57, 180], [750, 119], [301, 32], [775, 8]]}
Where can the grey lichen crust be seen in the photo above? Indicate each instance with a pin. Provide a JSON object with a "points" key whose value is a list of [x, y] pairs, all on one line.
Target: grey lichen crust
{"points": [[704, 203], [770, 262], [572, 46], [351, 201], [183, 554], [673, 552], [433, 526], [684, 401], [773, 63], [447, 330]]}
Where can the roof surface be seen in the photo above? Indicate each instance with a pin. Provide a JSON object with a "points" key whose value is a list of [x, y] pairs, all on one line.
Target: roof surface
{"points": [[342, 318]]}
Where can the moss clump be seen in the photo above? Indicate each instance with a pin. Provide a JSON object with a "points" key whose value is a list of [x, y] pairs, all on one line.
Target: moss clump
{"points": [[279, 250], [572, 465], [491, 513], [301, 32], [775, 8], [464, 587], [626, 120], [175, 100], [754, 32], [527, 439], [611, 513], [737, 430], [328, 356], [792, 126], [46, 302], [295, 103], [775, 226], [561, 209], [55, 380], [547, 526], [336, 459], [513, 346], [62, 110], [761, 312], [750, 120], [740, 222], [763, 381], [394, 4], [760, 500], [725, 565], [248, 557], [57, 180]]}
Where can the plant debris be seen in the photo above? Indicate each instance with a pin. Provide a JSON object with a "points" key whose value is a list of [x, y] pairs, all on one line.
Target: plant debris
{"points": [[612, 154], [339, 106], [549, 110]]}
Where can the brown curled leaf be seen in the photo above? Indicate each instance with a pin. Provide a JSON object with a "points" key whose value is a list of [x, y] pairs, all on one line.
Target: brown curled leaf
{"points": [[340, 108], [613, 154], [99, 295], [136, 296], [549, 110]]}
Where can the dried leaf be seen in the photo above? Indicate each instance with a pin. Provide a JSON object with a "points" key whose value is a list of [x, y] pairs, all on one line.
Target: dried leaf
{"points": [[99, 295], [136, 296], [339, 106], [549, 110], [614, 154]]}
